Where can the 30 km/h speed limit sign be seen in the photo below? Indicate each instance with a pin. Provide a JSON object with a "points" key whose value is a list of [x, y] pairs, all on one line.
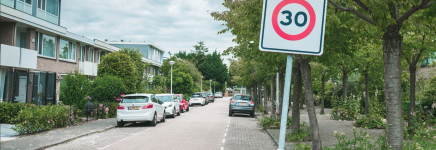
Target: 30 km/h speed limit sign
{"points": [[293, 26]]}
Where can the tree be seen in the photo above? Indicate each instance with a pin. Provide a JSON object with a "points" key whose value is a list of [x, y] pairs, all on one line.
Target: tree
{"points": [[388, 17], [182, 80], [107, 89], [140, 66], [119, 65], [74, 88]]}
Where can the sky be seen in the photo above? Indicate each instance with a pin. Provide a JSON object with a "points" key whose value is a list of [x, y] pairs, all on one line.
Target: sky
{"points": [[171, 24]]}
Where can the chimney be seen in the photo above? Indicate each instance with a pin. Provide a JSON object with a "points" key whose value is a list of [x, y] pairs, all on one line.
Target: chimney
{"points": [[106, 40], [122, 40]]}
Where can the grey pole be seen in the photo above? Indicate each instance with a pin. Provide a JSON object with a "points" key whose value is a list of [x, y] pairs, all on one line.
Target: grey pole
{"points": [[171, 79], [277, 92], [285, 105]]}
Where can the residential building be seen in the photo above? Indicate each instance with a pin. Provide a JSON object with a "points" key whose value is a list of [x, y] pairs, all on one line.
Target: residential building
{"points": [[152, 54], [35, 51]]}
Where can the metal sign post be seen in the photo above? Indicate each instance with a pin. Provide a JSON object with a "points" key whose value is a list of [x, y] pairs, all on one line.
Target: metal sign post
{"points": [[285, 104]]}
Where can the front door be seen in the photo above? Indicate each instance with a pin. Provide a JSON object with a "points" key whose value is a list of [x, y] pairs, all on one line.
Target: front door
{"points": [[22, 89]]}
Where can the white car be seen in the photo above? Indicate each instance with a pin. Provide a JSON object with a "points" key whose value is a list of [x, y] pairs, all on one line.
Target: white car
{"points": [[171, 103], [219, 94], [140, 108], [197, 98]]}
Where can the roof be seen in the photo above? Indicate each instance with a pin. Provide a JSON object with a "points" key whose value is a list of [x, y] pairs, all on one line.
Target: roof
{"points": [[163, 94], [133, 43], [139, 94]]}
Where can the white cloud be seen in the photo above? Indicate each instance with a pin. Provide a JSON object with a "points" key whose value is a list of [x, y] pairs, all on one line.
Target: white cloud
{"points": [[172, 24]]}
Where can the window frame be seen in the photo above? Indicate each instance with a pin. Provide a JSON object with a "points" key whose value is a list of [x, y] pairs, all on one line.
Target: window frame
{"points": [[90, 52], [40, 44]]}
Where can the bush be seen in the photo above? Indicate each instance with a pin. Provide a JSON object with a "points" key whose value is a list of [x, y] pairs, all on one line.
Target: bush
{"points": [[361, 141], [9, 111], [272, 123], [348, 110], [303, 135], [107, 88], [370, 122], [74, 89], [33, 118], [119, 65], [113, 109]]}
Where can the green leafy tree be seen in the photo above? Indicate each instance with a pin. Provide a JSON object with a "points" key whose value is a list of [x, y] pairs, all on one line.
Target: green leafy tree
{"points": [[182, 80], [74, 88], [107, 89], [136, 58], [119, 65]]}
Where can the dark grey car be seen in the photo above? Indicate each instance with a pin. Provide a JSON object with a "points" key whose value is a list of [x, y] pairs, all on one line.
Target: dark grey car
{"points": [[210, 96], [240, 103]]}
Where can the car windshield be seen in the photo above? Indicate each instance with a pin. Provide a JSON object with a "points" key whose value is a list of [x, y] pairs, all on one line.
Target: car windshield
{"points": [[168, 98], [242, 97], [218, 93], [178, 97], [208, 92], [196, 95], [135, 99]]}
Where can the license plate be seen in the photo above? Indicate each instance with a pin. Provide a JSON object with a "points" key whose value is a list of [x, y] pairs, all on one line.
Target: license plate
{"points": [[242, 103], [134, 108], [195, 99]]}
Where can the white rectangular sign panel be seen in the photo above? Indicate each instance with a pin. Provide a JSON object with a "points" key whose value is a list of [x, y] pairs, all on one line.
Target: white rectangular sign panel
{"points": [[293, 26]]}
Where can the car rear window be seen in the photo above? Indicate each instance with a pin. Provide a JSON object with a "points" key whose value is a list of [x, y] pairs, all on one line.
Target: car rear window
{"points": [[168, 98], [242, 97], [196, 95], [135, 99]]}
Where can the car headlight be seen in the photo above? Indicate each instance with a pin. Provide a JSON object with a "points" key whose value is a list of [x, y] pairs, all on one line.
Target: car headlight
{"points": [[171, 105]]}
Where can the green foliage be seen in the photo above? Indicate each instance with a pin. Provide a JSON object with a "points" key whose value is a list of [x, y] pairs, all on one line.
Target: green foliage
{"points": [[136, 58], [39, 118], [423, 137], [260, 108], [272, 123], [348, 110], [430, 94], [74, 90], [113, 109], [303, 135], [182, 80], [302, 146], [157, 90], [120, 65], [9, 111], [107, 89], [361, 141], [375, 118]]}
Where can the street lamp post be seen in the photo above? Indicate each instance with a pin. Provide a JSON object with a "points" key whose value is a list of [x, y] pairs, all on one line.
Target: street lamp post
{"points": [[201, 83], [210, 85], [172, 63]]}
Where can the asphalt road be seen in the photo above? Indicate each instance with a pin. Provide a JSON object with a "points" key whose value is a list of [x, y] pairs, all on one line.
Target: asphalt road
{"points": [[202, 128]]}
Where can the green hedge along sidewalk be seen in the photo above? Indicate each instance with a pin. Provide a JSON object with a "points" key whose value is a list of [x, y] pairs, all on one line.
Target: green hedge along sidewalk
{"points": [[58, 136]]}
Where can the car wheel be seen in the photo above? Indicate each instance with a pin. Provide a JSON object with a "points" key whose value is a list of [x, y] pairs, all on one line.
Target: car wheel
{"points": [[202, 104], [163, 118], [187, 109], [178, 112], [252, 114], [153, 123], [230, 113], [174, 113], [183, 110], [120, 124]]}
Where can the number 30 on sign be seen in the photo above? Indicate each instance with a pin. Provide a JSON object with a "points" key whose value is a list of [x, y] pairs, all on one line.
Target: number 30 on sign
{"points": [[293, 26]]}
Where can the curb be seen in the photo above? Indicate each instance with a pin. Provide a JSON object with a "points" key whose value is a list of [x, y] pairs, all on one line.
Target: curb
{"points": [[272, 137], [65, 141]]}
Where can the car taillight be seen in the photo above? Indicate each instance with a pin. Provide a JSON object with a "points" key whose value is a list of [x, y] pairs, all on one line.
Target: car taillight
{"points": [[120, 107], [147, 106], [211, 96], [251, 102], [232, 102]]}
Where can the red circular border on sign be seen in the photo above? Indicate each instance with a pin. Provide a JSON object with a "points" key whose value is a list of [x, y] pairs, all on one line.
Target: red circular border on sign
{"points": [[303, 34]]}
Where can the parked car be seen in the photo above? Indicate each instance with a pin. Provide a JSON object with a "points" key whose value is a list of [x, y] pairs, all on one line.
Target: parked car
{"points": [[184, 105], [241, 104], [219, 94], [171, 103], [204, 95], [197, 98], [139, 108], [210, 96]]}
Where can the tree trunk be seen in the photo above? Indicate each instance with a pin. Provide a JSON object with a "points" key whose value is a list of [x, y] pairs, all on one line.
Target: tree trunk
{"points": [[306, 72], [412, 70], [301, 98], [273, 95], [367, 93], [392, 49], [260, 93], [344, 85], [322, 92], [271, 81], [265, 100], [281, 88], [298, 86], [255, 95]]}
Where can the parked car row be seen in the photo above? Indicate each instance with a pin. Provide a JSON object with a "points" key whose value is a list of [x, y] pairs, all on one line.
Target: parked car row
{"points": [[156, 107]]}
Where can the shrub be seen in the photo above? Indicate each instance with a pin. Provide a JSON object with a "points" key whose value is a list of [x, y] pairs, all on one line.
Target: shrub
{"points": [[303, 135], [119, 65], [9, 111], [361, 141], [370, 122], [348, 110], [39, 118], [272, 123], [74, 89], [113, 109], [107, 88]]}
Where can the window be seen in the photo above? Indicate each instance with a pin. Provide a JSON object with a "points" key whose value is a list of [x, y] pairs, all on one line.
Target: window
{"points": [[63, 46], [2, 81], [91, 55], [82, 54], [41, 4], [52, 7], [46, 45]]}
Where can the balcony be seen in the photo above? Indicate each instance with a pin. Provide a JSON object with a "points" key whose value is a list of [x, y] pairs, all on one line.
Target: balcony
{"points": [[88, 68], [12, 56]]}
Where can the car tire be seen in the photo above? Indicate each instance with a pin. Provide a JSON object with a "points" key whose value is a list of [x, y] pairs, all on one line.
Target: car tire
{"points": [[230, 114], [183, 110], [252, 114], [153, 122], [163, 118], [178, 113], [120, 124], [174, 113], [187, 109], [202, 104]]}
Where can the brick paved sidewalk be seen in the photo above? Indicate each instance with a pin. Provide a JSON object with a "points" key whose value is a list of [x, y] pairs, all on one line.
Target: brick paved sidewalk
{"points": [[57, 136]]}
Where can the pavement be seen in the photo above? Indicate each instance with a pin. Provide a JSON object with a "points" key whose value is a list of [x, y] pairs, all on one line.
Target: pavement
{"points": [[7, 133], [49, 138], [202, 128]]}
